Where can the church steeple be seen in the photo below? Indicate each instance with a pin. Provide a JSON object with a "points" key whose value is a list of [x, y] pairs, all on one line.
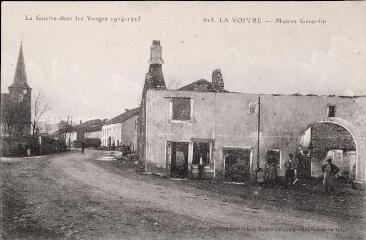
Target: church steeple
{"points": [[20, 100], [20, 77]]}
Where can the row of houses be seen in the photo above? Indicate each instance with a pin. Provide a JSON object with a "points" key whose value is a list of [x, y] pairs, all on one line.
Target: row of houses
{"points": [[16, 118], [118, 131]]}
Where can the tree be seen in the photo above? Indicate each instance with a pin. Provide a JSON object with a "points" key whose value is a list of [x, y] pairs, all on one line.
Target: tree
{"points": [[65, 127], [39, 107]]}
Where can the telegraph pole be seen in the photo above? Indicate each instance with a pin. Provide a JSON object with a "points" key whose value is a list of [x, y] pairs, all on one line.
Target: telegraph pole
{"points": [[259, 129]]}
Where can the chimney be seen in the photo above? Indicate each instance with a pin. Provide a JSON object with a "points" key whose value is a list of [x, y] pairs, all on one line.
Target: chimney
{"points": [[155, 53], [218, 81], [149, 82]]}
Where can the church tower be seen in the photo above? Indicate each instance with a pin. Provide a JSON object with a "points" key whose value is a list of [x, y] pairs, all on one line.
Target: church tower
{"points": [[20, 97]]}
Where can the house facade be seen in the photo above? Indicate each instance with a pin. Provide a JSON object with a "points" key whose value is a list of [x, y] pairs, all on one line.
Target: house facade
{"points": [[78, 133], [224, 124], [233, 134], [95, 132], [111, 134], [71, 137], [121, 130]]}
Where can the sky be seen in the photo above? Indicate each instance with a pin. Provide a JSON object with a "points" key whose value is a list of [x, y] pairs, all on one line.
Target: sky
{"points": [[96, 69]]}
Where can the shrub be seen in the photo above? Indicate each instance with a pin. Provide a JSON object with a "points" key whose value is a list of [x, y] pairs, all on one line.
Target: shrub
{"points": [[47, 148], [89, 143], [77, 143], [13, 150], [102, 148], [93, 142], [14, 146], [60, 145], [17, 146]]}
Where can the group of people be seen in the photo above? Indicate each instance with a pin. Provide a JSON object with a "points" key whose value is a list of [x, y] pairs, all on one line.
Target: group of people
{"points": [[297, 167], [294, 169]]}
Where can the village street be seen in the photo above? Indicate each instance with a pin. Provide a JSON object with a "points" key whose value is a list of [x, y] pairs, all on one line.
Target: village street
{"points": [[76, 196]]}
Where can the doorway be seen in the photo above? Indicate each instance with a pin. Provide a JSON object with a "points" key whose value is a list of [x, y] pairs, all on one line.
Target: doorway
{"points": [[178, 154], [201, 152], [237, 164]]}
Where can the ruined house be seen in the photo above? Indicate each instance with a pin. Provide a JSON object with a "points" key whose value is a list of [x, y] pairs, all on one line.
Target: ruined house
{"points": [[235, 133]]}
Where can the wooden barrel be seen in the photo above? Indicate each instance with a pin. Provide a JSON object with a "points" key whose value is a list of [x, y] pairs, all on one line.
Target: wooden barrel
{"points": [[195, 172], [208, 172]]}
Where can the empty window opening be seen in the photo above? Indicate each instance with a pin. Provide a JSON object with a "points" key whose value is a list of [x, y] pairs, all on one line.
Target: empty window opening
{"points": [[273, 157], [252, 108], [237, 164], [181, 109], [331, 111]]}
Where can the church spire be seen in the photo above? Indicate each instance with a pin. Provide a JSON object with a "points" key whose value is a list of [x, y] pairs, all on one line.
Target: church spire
{"points": [[20, 77]]}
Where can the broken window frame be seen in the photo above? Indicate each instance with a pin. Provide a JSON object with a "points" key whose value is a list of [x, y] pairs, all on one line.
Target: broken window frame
{"points": [[171, 115], [331, 110], [251, 155]]}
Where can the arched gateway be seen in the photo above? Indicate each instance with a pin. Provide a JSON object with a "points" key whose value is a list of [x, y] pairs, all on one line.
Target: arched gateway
{"points": [[306, 139]]}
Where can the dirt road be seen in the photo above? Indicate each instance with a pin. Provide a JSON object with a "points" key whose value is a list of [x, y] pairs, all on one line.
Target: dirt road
{"points": [[169, 211]]}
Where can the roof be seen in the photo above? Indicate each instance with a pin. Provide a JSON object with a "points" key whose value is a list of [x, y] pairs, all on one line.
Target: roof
{"points": [[86, 126], [20, 77], [94, 129], [201, 85], [363, 97], [55, 133], [124, 116]]}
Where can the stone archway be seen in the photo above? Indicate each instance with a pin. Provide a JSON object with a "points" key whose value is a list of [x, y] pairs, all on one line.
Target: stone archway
{"points": [[359, 171]]}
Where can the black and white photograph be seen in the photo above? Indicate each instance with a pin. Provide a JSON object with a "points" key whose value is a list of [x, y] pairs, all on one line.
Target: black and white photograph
{"points": [[183, 120]]}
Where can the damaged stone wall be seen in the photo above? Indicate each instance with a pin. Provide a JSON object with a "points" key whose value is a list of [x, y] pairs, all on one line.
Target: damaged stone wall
{"points": [[327, 136], [224, 118]]}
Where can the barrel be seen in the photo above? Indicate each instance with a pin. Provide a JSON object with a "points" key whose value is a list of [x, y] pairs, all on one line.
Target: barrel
{"points": [[208, 172], [195, 172]]}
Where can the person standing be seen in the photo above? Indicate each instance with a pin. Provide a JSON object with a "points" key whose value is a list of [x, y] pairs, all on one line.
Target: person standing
{"points": [[260, 176], [305, 165], [272, 171], [290, 170], [330, 172], [200, 167], [82, 147]]}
